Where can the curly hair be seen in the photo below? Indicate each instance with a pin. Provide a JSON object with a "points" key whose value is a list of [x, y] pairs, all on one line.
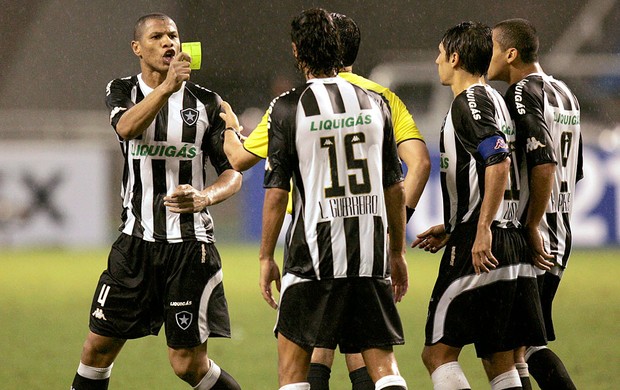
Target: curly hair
{"points": [[350, 37], [316, 38]]}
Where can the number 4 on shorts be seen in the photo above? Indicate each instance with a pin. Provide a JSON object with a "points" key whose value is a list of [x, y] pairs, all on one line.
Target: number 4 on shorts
{"points": [[103, 294]]}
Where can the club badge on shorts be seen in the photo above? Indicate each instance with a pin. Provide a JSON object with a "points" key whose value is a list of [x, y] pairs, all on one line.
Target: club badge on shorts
{"points": [[184, 319], [190, 116]]}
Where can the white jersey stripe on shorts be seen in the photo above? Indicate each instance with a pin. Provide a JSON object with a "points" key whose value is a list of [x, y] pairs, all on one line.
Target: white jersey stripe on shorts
{"points": [[203, 323]]}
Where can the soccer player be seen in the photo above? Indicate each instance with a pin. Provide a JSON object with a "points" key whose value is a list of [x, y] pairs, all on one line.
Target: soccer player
{"points": [[411, 149], [547, 121], [335, 140], [164, 267], [478, 297]]}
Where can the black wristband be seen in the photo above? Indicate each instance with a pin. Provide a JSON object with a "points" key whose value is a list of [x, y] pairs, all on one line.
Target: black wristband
{"points": [[410, 211], [231, 129]]}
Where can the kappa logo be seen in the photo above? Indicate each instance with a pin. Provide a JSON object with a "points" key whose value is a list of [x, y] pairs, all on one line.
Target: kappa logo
{"points": [[500, 144], [184, 319], [98, 314], [190, 116], [533, 144]]}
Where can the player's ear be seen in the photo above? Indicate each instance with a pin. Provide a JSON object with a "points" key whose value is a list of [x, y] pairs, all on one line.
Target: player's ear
{"points": [[511, 55], [135, 46], [454, 59]]}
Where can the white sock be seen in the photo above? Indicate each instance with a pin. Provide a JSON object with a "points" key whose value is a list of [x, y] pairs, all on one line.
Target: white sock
{"points": [[532, 350], [94, 373], [522, 369], [507, 380], [296, 386], [449, 376], [210, 377], [391, 380]]}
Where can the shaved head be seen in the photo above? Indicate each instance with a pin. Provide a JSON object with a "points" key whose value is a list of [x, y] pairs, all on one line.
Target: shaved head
{"points": [[138, 29]]}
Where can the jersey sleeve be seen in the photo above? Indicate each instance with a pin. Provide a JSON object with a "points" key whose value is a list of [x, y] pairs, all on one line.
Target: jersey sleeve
{"points": [[404, 126], [474, 112], [392, 168], [118, 99], [281, 142], [257, 141], [213, 141], [526, 105]]}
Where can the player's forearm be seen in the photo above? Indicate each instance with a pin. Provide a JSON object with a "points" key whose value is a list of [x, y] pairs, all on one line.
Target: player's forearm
{"points": [[415, 155], [138, 118], [495, 178], [395, 205], [226, 185], [540, 188], [239, 158], [274, 209]]}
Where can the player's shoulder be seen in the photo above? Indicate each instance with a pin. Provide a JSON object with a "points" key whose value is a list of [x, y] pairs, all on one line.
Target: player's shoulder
{"points": [[122, 83], [363, 82], [203, 94], [531, 85]]}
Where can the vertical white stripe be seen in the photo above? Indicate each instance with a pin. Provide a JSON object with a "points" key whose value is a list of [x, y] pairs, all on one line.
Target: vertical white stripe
{"points": [[203, 324]]}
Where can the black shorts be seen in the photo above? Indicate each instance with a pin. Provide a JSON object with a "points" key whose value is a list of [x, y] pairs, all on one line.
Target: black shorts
{"points": [[148, 284], [355, 313], [496, 311], [548, 284]]}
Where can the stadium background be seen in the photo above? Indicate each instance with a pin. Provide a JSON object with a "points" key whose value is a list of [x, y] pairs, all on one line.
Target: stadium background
{"points": [[60, 166]]}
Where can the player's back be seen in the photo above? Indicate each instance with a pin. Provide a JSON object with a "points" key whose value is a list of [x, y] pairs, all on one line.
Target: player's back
{"points": [[344, 155]]}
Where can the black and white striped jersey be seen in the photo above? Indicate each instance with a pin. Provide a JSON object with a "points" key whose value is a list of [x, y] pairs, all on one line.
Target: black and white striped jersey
{"points": [[547, 120], [172, 151], [336, 141], [472, 137]]}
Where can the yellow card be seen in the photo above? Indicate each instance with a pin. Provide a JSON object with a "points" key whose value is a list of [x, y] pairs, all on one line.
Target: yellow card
{"points": [[194, 50]]}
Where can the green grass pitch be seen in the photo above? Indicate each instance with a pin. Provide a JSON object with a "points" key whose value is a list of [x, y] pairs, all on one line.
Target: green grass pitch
{"points": [[45, 298]]}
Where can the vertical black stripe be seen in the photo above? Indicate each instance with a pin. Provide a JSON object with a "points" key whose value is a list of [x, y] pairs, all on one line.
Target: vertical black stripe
{"points": [[568, 241], [189, 132], [352, 242], [362, 98], [463, 181], [159, 191], [379, 247], [552, 222], [566, 102], [136, 200], [326, 256], [553, 102], [187, 220], [309, 103], [161, 124], [564, 186], [335, 97], [139, 98]]}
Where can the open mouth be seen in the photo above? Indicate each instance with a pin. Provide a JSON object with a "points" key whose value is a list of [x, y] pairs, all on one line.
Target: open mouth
{"points": [[169, 56]]}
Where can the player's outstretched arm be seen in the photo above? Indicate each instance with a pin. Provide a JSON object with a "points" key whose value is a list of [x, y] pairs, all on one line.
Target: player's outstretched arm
{"points": [[432, 240], [274, 209], [395, 204], [495, 178], [239, 158]]}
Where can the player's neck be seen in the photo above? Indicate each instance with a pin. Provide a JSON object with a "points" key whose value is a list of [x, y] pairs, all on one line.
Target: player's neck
{"points": [[525, 70], [463, 80], [152, 78]]}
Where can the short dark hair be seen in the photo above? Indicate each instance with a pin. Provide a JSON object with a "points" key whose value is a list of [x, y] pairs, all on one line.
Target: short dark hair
{"points": [[318, 48], [350, 37], [520, 34], [138, 27], [473, 42]]}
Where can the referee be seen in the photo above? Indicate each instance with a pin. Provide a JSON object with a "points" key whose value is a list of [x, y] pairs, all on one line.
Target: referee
{"points": [[164, 267]]}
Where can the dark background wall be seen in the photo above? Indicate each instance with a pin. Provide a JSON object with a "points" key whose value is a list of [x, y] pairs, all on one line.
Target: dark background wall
{"points": [[61, 54]]}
